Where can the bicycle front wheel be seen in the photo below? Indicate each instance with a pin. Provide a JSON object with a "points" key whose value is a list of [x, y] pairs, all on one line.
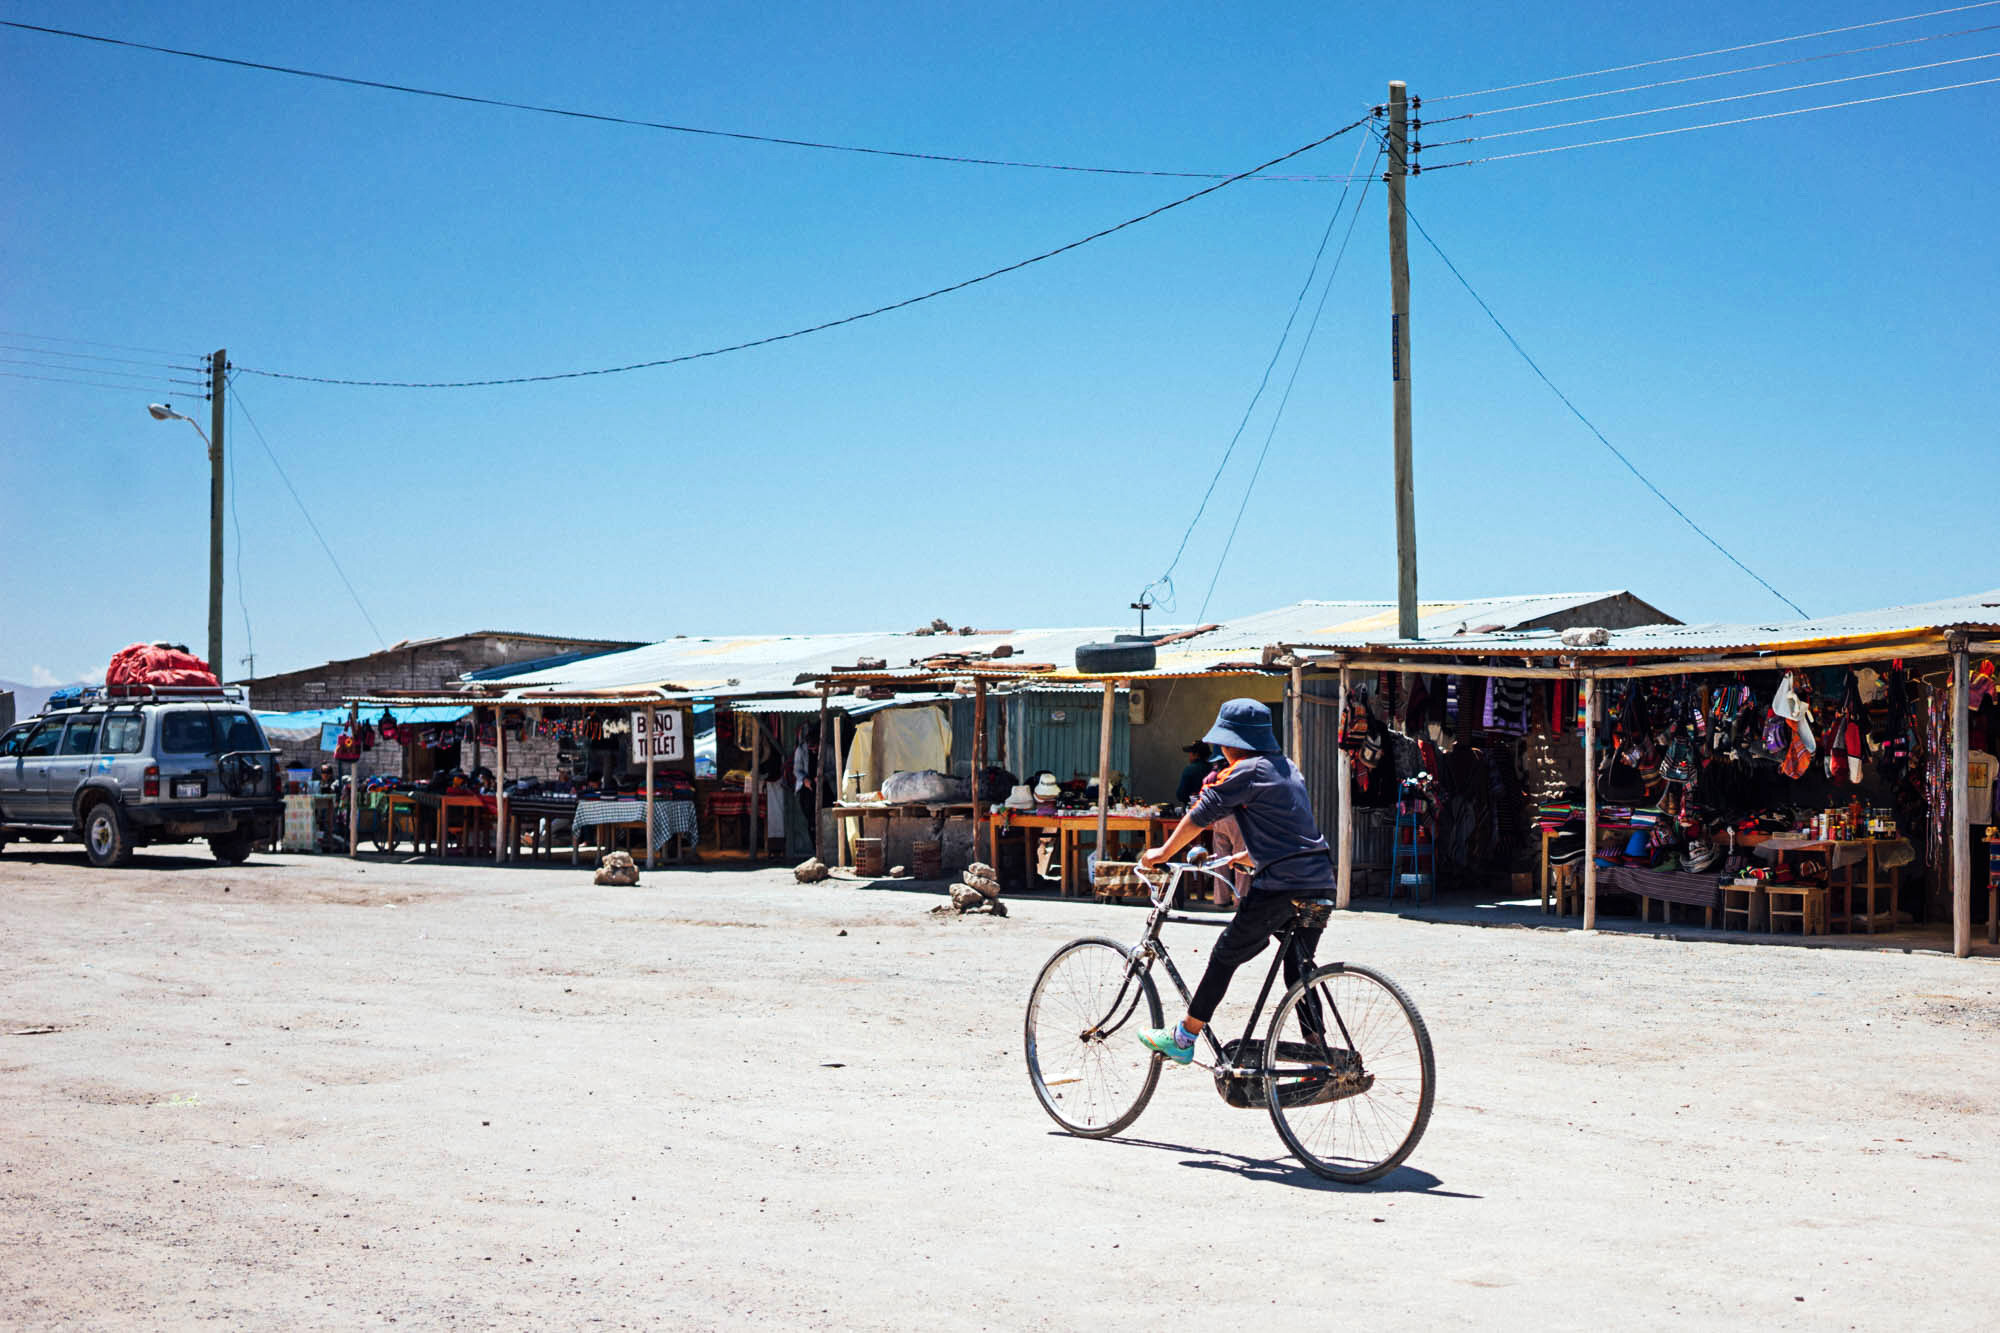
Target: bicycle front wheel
{"points": [[1348, 1073], [1084, 1058]]}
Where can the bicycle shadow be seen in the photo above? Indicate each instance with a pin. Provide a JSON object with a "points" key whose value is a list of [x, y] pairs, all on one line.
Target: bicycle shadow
{"points": [[1282, 1171]]}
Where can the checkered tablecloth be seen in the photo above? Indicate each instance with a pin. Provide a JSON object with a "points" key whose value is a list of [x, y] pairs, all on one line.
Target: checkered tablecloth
{"points": [[669, 818]]}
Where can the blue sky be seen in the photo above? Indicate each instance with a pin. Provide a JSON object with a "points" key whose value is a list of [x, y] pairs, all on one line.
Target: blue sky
{"points": [[1789, 324]]}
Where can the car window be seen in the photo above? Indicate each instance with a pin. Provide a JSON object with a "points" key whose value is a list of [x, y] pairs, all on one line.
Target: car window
{"points": [[238, 732], [124, 733], [11, 742], [43, 741], [82, 735], [186, 732]]}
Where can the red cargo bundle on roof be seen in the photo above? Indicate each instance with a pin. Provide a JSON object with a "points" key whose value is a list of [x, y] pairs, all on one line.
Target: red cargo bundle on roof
{"points": [[156, 664]]}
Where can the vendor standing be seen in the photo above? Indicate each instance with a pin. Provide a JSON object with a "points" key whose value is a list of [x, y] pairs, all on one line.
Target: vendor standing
{"points": [[1201, 762]]}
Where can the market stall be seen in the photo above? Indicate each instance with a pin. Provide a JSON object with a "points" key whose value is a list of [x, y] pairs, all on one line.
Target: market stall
{"points": [[1821, 775]]}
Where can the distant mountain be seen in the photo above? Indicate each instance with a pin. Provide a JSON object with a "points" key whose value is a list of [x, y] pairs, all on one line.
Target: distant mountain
{"points": [[28, 699]]}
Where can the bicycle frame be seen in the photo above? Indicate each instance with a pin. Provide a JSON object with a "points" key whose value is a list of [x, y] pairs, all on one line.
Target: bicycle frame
{"points": [[1152, 947]]}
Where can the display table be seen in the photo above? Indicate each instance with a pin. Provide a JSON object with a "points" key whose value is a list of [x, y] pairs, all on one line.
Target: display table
{"points": [[1071, 829], [471, 812], [670, 819], [933, 813], [1662, 886], [539, 817], [1851, 864]]}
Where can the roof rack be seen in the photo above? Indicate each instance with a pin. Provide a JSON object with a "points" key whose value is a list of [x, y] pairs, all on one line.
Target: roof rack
{"points": [[104, 693]]}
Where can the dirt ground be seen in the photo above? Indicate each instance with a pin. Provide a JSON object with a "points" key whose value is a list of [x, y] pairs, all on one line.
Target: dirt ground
{"points": [[311, 1093]]}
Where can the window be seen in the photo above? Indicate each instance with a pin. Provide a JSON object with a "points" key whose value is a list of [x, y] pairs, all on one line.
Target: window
{"points": [[186, 732], [124, 733], [43, 742], [238, 732], [10, 744], [82, 736]]}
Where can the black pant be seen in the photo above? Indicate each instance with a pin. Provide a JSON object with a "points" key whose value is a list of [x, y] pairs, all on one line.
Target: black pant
{"points": [[1261, 916]]}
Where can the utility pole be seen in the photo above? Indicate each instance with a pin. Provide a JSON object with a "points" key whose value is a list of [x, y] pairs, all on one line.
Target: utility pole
{"points": [[216, 387], [1399, 364]]}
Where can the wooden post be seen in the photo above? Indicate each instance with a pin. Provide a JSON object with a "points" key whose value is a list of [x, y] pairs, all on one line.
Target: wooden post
{"points": [[1961, 812], [502, 844], [839, 790], [756, 785], [1343, 783], [354, 786], [979, 833], [1103, 770], [819, 774], [652, 750], [1589, 804], [1295, 711]]}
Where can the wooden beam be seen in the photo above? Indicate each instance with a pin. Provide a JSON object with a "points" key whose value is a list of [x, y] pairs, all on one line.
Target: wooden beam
{"points": [[1103, 772], [652, 750], [1343, 785], [819, 774], [499, 785], [1295, 717], [1578, 665], [979, 831], [1961, 810], [840, 787], [1589, 804], [354, 785], [755, 785]]}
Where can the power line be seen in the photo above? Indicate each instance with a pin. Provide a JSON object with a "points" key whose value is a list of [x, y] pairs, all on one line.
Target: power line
{"points": [[99, 371], [1576, 412], [609, 119], [1713, 74], [119, 347], [85, 356], [1285, 398], [128, 389], [1718, 51], [1166, 579], [299, 500], [826, 324], [1710, 125], [1714, 101]]}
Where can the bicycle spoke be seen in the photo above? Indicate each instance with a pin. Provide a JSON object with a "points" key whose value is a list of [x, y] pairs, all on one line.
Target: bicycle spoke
{"points": [[1350, 1074]]}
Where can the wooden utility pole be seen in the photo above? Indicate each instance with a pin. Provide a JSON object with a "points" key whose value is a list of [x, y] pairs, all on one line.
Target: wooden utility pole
{"points": [[1399, 364], [1343, 779], [217, 385]]}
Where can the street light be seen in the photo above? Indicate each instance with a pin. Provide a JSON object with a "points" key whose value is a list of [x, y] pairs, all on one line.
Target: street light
{"points": [[165, 412]]}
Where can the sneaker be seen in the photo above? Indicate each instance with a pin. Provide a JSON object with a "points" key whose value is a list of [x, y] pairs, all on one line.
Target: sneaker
{"points": [[1161, 1041]]}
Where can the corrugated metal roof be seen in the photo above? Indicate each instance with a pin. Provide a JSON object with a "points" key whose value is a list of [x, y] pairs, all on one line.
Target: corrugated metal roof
{"points": [[776, 664], [849, 704], [1972, 612]]}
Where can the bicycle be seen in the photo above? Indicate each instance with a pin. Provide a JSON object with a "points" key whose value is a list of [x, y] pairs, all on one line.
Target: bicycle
{"points": [[1345, 1068]]}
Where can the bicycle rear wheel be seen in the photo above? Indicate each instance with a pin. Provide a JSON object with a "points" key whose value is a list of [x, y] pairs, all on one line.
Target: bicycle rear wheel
{"points": [[1348, 1073], [1084, 1058]]}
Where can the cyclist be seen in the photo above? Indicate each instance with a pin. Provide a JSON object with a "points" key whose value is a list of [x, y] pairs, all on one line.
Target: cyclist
{"points": [[1290, 859]]}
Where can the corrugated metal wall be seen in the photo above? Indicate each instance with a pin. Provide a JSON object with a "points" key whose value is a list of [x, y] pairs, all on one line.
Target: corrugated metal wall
{"points": [[1057, 730], [1322, 755]]}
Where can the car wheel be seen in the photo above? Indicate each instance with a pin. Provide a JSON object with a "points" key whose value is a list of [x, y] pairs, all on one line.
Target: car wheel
{"points": [[105, 836], [231, 848]]}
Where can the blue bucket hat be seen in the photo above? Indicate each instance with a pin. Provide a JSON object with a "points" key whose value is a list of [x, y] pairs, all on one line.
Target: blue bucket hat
{"points": [[1243, 724]]}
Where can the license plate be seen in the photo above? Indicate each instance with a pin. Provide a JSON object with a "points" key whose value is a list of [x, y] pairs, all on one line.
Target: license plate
{"points": [[185, 788]]}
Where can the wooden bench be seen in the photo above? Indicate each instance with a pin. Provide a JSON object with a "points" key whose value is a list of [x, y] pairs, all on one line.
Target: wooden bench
{"points": [[1746, 901], [1810, 911]]}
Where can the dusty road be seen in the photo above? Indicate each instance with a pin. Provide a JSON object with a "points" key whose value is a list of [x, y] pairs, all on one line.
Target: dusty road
{"points": [[307, 1093]]}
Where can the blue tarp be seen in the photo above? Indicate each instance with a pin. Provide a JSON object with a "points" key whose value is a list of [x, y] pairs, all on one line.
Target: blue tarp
{"points": [[324, 724]]}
